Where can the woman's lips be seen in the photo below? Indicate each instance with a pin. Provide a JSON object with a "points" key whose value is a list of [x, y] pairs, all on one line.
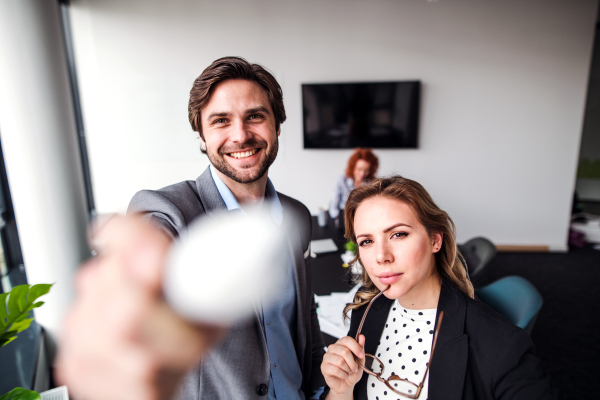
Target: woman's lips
{"points": [[388, 279]]}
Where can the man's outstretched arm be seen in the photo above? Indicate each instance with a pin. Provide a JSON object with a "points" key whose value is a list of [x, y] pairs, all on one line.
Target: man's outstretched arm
{"points": [[120, 339]]}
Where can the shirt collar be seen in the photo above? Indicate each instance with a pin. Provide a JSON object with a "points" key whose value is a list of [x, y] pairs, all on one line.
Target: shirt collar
{"points": [[350, 183], [232, 204]]}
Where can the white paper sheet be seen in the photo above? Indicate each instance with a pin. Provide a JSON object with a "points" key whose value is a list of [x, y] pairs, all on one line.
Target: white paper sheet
{"points": [[322, 246], [59, 393], [331, 307]]}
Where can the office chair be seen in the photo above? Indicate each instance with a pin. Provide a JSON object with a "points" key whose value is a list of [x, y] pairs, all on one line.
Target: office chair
{"points": [[515, 298], [477, 253]]}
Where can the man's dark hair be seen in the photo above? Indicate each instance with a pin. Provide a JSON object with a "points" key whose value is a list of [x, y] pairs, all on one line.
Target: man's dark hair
{"points": [[227, 68]]}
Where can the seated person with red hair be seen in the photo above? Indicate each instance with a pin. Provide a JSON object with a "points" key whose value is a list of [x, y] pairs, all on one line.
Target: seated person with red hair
{"points": [[362, 168]]}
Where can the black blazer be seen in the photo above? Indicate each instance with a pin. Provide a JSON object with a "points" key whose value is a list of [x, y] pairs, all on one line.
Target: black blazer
{"points": [[479, 354]]}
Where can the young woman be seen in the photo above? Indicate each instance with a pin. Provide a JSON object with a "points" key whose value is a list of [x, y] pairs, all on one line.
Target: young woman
{"points": [[362, 168], [412, 275]]}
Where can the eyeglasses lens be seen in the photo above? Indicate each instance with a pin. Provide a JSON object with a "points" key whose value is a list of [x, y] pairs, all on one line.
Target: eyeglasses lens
{"points": [[401, 385], [372, 364]]}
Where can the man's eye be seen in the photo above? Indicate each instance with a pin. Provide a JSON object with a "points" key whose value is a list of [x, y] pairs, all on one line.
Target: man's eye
{"points": [[255, 116], [219, 121], [365, 242]]}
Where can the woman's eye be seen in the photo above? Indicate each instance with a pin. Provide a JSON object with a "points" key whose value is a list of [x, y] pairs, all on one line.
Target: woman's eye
{"points": [[365, 242], [400, 234]]}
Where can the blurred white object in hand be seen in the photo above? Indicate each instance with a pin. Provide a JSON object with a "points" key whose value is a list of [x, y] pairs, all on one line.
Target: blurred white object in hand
{"points": [[224, 267]]}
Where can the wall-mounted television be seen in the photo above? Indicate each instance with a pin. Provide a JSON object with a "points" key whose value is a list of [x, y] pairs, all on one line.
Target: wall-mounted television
{"points": [[372, 114]]}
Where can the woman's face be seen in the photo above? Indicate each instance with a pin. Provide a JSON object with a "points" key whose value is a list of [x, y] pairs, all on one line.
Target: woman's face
{"points": [[395, 249], [362, 169]]}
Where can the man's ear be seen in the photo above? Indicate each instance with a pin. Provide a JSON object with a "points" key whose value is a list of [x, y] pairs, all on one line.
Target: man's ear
{"points": [[202, 144], [438, 239]]}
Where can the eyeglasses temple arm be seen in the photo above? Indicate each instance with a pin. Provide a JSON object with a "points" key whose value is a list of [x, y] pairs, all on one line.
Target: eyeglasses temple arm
{"points": [[362, 321]]}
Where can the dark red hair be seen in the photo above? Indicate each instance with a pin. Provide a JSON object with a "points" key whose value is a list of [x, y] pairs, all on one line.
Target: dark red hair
{"points": [[363, 154]]}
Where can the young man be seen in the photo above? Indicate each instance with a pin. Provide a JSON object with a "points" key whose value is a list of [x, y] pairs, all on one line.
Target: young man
{"points": [[237, 109]]}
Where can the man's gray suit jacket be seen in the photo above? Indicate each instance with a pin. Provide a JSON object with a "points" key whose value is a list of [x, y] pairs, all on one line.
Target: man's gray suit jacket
{"points": [[239, 367]]}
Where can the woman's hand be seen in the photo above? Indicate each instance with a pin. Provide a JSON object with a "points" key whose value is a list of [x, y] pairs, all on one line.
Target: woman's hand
{"points": [[339, 368]]}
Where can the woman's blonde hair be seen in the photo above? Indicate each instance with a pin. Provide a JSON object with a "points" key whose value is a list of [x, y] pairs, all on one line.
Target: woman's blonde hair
{"points": [[448, 260]]}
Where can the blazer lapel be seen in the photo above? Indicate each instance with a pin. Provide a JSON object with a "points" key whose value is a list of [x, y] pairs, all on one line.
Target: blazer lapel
{"points": [[297, 256], [372, 330], [209, 194], [449, 363], [213, 204]]}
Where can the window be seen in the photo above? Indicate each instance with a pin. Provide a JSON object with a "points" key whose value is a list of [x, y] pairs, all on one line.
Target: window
{"points": [[12, 270]]}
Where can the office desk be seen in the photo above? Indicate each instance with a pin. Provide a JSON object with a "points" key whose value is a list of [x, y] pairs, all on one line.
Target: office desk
{"points": [[328, 274]]}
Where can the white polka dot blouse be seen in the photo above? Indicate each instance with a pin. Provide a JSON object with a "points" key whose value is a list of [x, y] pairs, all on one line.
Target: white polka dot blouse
{"points": [[404, 350]]}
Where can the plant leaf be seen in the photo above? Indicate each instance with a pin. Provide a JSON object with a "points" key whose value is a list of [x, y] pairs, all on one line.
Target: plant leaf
{"points": [[8, 334], [24, 316], [36, 305], [3, 311], [37, 291], [20, 303], [21, 394], [21, 325], [4, 342], [16, 300]]}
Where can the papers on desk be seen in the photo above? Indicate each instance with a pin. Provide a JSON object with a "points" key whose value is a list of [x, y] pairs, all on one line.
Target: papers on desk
{"points": [[322, 246], [59, 393], [330, 312], [587, 224]]}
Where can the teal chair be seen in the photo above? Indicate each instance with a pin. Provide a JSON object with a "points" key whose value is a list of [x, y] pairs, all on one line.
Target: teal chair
{"points": [[515, 298]]}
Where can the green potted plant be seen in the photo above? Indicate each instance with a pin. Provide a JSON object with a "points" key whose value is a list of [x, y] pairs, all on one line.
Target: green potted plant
{"points": [[15, 316]]}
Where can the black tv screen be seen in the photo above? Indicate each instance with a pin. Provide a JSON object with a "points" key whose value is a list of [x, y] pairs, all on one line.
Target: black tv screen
{"points": [[348, 115]]}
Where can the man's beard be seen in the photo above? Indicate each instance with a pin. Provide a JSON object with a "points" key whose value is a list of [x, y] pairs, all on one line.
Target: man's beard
{"points": [[240, 176]]}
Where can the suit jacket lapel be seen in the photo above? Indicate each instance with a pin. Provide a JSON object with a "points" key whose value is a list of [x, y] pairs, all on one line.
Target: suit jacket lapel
{"points": [[213, 204], [449, 363], [375, 322], [297, 256], [372, 330], [209, 194]]}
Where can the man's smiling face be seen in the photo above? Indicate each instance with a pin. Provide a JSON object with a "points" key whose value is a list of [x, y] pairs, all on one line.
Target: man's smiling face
{"points": [[239, 130]]}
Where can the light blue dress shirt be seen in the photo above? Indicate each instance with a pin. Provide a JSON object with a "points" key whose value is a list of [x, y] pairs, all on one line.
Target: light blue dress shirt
{"points": [[278, 320], [343, 187]]}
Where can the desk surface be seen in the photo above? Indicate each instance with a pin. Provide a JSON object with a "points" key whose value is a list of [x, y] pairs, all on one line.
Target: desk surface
{"points": [[328, 274]]}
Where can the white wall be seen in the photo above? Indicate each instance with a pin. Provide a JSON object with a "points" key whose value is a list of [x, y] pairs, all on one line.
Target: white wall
{"points": [[504, 86]]}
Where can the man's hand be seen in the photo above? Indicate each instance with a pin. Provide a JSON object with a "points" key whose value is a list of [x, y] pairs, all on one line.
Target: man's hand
{"points": [[120, 339]]}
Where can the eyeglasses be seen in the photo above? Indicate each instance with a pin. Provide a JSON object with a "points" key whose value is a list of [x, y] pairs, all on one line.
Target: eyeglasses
{"points": [[371, 359]]}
